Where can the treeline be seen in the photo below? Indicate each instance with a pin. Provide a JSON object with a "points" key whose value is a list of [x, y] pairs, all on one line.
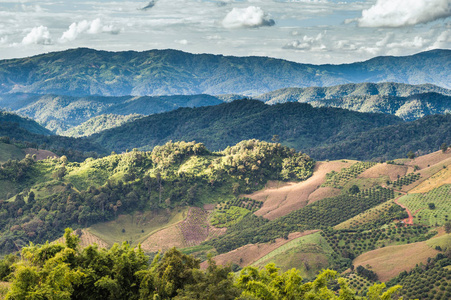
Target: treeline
{"points": [[57, 271], [57, 194]]}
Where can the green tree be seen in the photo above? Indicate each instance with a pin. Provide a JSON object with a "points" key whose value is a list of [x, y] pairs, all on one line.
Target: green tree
{"points": [[410, 155], [444, 147]]}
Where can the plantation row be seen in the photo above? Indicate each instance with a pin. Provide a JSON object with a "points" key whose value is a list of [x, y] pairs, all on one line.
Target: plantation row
{"points": [[350, 243], [433, 208], [427, 282], [321, 214], [405, 180], [338, 179], [243, 202]]}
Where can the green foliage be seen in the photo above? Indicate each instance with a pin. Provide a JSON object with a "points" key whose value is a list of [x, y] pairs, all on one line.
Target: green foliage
{"points": [[124, 273], [227, 217]]}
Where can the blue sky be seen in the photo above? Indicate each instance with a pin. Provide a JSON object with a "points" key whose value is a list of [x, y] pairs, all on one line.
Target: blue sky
{"points": [[307, 31]]}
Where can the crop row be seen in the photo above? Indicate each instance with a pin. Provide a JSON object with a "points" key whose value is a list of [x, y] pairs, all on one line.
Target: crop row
{"points": [[338, 179]]}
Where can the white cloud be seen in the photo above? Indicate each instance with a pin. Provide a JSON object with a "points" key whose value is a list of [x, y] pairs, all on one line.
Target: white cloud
{"points": [[398, 13], [251, 16], [90, 27], [38, 35], [182, 42], [3, 40], [308, 43]]}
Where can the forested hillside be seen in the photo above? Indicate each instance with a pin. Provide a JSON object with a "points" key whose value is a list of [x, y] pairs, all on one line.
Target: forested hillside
{"points": [[422, 136], [297, 125], [167, 72], [41, 198], [11, 119]]}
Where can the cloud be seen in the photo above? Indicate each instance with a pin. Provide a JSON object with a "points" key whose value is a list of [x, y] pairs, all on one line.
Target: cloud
{"points": [[38, 35], [90, 27], [247, 17], [307, 43], [399, 13]]}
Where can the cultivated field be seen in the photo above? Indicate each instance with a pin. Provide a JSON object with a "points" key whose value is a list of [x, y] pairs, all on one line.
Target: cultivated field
{"points": [[250, 253], [388, 262], [281, 201]]}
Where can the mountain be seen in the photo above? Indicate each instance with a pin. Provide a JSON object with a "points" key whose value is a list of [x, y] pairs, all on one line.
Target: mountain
{"points": [[12, 119], [59, 113], [297, 125], [164, 72], [100, 123], [310, 94]]}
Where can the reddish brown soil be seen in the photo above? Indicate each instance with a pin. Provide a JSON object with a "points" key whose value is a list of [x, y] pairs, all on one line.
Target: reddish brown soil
{"points": [[40, 154], [409, 220], [292, 196], [392, 171], [388, 262], [250, 253]]}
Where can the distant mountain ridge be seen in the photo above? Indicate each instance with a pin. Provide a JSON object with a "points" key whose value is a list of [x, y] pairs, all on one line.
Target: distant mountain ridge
{"points": [[59, 113], [310, 94], [167, 72]]}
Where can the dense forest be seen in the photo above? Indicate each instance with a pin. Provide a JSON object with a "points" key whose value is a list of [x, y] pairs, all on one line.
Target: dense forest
{"points": [[297, 125]]}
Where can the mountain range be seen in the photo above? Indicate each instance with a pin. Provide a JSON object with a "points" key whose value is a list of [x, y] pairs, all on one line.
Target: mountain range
{"points": [[82, 71]]}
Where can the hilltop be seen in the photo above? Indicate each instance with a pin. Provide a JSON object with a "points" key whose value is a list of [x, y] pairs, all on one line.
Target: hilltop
{"points": [[167, 72]]}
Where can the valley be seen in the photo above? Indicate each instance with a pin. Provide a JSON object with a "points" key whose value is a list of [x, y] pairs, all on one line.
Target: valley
{"points": [[163, 160]]}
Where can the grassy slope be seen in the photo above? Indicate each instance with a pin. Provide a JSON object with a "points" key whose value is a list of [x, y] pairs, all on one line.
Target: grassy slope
{"points": [[309, 254], [137, 226]]}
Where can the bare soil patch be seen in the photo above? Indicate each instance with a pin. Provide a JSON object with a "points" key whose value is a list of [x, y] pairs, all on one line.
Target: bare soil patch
{"points": [[388, 262], [250, 253], [40, 154], [323, 192], [429, 159], [392, 171], [292, 196], [438, 179]]}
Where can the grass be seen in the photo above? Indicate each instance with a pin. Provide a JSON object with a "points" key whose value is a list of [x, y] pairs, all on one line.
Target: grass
{"points": [[444, 242], [437, 180], [418, 204], [309, 254], [136, 227]]}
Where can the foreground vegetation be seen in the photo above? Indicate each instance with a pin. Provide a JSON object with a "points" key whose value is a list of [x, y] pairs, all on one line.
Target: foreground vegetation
{"points": [[57, 271]]}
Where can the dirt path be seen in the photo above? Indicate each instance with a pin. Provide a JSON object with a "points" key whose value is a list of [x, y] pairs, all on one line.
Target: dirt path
{"points": [[409, 220]]}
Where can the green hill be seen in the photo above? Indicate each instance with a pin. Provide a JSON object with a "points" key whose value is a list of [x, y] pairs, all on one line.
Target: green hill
{"points": [[100, 123], [7, 118], [421, 136], [167, 72], [297, 125]]}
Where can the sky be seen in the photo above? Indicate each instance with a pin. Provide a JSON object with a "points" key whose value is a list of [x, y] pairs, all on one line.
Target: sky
{"points": [[306, 31]]}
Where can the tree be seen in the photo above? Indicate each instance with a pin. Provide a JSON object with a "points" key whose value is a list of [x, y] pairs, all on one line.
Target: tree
{"points": [[444, 147], [354, 189], [431, 205], [448, 227], [410, 155]]}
